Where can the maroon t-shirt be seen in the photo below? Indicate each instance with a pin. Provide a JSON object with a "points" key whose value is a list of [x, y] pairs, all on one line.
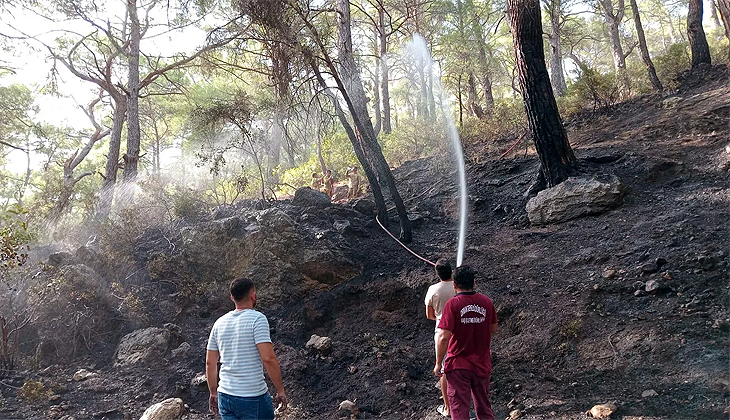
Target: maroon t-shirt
{"points": [[469, 316]]}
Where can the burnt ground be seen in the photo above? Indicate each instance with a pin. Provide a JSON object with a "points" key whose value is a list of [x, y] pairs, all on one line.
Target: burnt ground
{"points": [[569, 336]]}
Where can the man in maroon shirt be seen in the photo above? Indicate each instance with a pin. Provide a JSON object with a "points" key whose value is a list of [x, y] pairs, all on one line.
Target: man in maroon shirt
{"points": [[467, 325]]}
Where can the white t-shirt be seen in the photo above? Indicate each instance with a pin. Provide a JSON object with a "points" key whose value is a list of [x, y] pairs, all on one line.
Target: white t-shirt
{"points": [[437, 296], [235, 335]]}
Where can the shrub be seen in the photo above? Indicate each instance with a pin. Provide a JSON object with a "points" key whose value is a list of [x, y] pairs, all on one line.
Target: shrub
{"points": [[671, 64], [34, 391], [591, 89]]}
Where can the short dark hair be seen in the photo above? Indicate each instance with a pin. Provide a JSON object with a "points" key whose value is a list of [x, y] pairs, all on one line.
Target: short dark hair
{"points": [[240, 288], [443, 268], [464, 277]]}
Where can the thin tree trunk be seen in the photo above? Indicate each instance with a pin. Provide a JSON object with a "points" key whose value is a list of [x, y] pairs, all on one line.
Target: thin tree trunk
{"points": [[644, 50], [355, 98], [557, 160], [357, 147], [112, 160], [713, 13], [557, 75], [473, 98], [696, 34], [461, 102], [384, 71], [131, 158], [724, 7], [613, 21], [376, 89]]}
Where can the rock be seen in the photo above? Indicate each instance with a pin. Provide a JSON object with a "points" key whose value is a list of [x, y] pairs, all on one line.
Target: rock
{"points": [[181, 351], [401, 386], [721, 324], [639, 293], [276, 219], [660, 262], [416, 219], [199, 380], [365, 206], [321, 345], [348, 406], [515, 414], [575, 197], [307, 197], [83, 374], [652, 286], [649, 393], [608, 274], [649, 268], [602, 411], [343, 226], [170, 409], [61, 259], [146, 345], [672, 102]]}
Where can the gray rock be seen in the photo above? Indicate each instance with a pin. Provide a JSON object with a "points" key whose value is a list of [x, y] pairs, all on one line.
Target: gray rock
{"points": [[307, 197], [649, 268], [83, 374], [181, 351], [649, 393], [652, 286], [199, 380], [340, 192], [608, 274], [602, 411], [321, 345], [672, 102], [348, 406], [575, 197], [61, 259], [365, 206], [170, 409], [343, 226], [146, 345]]}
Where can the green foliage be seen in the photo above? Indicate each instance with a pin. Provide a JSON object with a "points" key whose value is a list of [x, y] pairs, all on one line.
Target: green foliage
{"points": [[414, 138], [592, 89], [14, 238], [34, 391], [507, 117], [671, 64]]}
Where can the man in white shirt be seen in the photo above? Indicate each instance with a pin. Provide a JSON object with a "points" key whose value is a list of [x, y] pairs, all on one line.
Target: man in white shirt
{"points": [[240, 340], [436, 298]]}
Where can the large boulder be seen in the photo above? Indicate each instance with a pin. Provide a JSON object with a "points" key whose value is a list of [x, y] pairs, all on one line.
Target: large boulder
{"points": [[575, 197], [170, 409], [147, 345], [307, 197]]}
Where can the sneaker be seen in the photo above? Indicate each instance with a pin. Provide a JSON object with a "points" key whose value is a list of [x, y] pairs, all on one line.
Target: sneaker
{"points": [[442, 410]]}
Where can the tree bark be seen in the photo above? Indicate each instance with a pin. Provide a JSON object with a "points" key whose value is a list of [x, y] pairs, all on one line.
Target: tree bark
{"points": [[696, 34], [376, 88], [557, 75], [613, 21], [655, 82], [384, 71], [473, 98], [354, 93], [723, 7], [131, 158], [713, 13], [557, 160], [106, 198], [483, 62]]}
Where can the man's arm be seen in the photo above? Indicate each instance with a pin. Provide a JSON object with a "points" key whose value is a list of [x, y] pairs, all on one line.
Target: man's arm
{"points": [[271, 363], [211, 373], [442, 345], [430, 313]]}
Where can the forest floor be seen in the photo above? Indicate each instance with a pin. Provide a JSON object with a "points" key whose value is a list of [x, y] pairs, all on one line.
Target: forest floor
{"points": [[573, 332]]}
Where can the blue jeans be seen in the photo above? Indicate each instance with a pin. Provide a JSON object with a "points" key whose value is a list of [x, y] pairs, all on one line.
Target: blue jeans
{"points": [[245, 408]]}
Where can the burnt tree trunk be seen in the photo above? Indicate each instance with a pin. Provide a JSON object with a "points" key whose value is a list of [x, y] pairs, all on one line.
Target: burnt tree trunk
{"points": [[696, 33], [713, 13], [352, 90], [557, 160], [357, 147], [723, 7], [376, 88], [655, 82]]}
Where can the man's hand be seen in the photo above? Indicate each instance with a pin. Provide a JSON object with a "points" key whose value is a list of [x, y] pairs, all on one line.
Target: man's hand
{"points": [[437, 370], [213, 403], [281, 401]]}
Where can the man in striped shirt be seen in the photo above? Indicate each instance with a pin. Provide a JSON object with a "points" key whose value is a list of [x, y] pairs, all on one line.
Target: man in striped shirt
{"points": [[240, 340]]}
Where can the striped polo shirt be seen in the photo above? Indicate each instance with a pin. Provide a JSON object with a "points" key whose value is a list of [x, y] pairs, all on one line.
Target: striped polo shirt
{"points": [[235, 335]]}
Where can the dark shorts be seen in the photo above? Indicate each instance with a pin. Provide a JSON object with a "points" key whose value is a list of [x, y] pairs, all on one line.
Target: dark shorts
{"points": [[463, 386], [245, 408]]}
